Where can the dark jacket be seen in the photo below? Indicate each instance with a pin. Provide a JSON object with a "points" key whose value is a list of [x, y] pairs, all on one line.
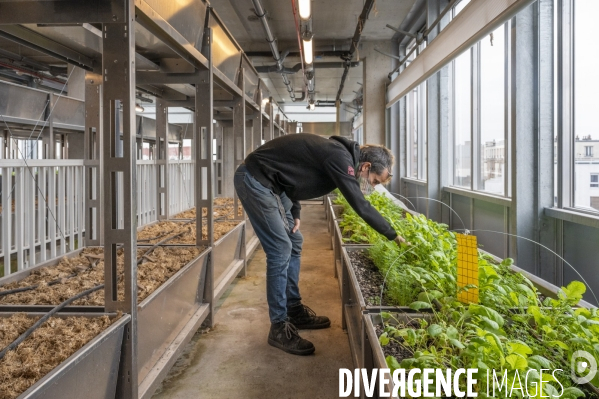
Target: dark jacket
{"points": [[306, 166]]}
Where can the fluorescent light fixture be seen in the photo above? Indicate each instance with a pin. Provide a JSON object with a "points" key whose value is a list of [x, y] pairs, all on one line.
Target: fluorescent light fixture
{"points": [[308, 55], [305, 9], [139, 108]]}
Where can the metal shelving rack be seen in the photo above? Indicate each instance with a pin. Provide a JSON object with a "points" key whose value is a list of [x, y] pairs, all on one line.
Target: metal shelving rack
{"points": [[185, 57]]}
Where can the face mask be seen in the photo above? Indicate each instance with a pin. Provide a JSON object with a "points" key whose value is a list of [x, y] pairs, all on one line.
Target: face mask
{"points": [[365, 185]]}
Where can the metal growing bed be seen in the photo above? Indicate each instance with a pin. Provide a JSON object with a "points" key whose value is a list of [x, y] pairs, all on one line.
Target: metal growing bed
{"points": [[184, 56], [93, 369]]}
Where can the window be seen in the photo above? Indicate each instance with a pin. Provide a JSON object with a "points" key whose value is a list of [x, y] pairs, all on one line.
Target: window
{"points": [[479, 115], [585, 88], [588, 151], [462, 96], [416, 112], [492, 113]]}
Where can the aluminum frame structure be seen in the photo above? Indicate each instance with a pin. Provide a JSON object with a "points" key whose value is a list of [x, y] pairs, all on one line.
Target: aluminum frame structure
{"points": [[184, 56]]}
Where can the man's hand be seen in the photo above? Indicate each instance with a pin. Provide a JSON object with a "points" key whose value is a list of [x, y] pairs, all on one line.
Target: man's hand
{"points": [[296, 227], [399, 240]]}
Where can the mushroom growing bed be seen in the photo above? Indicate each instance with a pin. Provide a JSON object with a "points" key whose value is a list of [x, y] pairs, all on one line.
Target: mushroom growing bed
{"points": [[62, 349]]}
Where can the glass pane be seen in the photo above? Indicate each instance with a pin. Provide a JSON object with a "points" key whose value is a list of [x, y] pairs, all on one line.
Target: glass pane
{"points": [[462, 120], [492, 112], [412, 111], [586, 87], [423, 130]]}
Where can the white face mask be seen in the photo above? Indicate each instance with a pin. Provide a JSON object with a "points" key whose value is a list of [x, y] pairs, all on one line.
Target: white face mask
{"points": [[365, 185]]}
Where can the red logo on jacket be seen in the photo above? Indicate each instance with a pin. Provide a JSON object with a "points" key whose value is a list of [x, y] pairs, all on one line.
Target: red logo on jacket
{"points": [[350, 171]]}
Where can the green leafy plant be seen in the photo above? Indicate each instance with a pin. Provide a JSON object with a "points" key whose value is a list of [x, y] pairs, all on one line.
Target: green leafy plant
{"points": [[512, 330]]}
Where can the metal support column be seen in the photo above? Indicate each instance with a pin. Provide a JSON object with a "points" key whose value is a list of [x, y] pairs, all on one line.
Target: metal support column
{"points": [[338, 118], [162, 183], [257, 125], [204, 195], [118, 65], [438, 129], [48, 139], [524, 137], [547, 227], [239, 135], [93, 159], [271, 122]]}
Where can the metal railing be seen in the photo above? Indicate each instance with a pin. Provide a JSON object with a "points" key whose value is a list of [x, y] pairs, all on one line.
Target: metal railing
{"points": [[35, 227]]}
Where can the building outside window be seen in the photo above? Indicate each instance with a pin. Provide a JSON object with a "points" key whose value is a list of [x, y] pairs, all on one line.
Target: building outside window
{"points": [[588, 150], [594, 180]]}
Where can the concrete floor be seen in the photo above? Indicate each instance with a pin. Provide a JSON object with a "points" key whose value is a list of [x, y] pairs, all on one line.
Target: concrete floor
{"points": [[234, 360]]}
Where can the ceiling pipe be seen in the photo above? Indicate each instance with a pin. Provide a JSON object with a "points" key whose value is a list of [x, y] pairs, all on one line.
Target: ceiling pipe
{"points": [[261, 14], [354, 42], [297, 67], [317, 53]]}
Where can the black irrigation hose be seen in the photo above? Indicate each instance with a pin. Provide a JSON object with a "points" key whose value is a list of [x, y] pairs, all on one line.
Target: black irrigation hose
{"points": [[166, 234], [51, 283], [43, 319], [141, 258]]}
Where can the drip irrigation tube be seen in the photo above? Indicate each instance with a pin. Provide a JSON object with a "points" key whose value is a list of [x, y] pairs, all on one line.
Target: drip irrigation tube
{"points": [[43, 319]]}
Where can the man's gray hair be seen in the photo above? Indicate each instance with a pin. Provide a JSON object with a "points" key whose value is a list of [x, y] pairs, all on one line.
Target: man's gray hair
{"points": [[379, 157]]}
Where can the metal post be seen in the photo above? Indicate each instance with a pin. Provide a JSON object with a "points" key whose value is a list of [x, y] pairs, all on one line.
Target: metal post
{"points": [[437, 99], [118, 65], [271, 122], [50, 150], [204, 133], [547, 226], [239, 135], [524, 136], [162, 175], [338, 118], [257, 125]]}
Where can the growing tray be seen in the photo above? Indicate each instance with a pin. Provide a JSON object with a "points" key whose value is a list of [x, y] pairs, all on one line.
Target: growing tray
{"points": [[92, 369], [229, 259], [354, 306], [166, 319]]}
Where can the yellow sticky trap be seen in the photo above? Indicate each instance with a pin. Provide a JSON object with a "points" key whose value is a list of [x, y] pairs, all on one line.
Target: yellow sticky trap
{"points": [[467, 268]]}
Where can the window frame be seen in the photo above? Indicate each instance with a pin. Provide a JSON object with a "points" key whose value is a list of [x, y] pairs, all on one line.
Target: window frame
{"points": [[477, 153], [565, 100], [416, 114]]}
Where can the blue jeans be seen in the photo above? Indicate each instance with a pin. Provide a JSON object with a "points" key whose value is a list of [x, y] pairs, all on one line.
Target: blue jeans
{"points": [[271, 218]]}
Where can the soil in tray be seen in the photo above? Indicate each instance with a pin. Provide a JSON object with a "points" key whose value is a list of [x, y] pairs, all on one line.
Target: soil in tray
{"points": [[393, 348], [85, 271], [370, 279], [159, 231], [222, 208], [49, 345]]}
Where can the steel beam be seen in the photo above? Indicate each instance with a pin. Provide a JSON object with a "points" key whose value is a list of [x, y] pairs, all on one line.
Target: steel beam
{"points": [[257, 125], [203, 139], [93, 159], [118, 65], [162, 155], [239, 136], [34, 40], [60, 12]]}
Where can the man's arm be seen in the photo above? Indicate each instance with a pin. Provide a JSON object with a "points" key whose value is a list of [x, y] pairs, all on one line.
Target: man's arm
{"points": [[342, 173]]}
